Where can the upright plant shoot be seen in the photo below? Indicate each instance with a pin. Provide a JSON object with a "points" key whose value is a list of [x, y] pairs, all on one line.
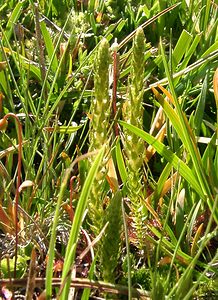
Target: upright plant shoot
{"points": [[133, 145], [100, 114]]}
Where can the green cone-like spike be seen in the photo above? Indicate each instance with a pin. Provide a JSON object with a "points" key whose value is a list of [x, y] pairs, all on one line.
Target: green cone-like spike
{"points": [[111, 243], [100, 112], [133, 145], [100, 108]]}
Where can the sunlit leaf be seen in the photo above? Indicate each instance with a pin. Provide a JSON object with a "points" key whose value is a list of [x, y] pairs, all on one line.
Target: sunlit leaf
{"points": [[177, 163]]}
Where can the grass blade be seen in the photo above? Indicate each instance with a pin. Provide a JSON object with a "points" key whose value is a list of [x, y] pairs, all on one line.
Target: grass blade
{"points": [[177, 163], [120, 162], [180, 49], [75, 229], [13, 19], [79, 211], [189, 141], [49, 47]]}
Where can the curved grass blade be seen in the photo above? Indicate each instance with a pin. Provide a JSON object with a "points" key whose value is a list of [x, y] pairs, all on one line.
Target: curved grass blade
{"points": [[49, 47], [189, 140], [13, 19], [77, 218], [181, 48], [63, 129], [208, 56], [159, 190], [75, 229], [120, 162], [198, 117], [177, 163]]}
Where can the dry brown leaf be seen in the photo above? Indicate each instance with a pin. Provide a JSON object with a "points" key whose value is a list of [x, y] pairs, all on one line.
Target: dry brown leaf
{"points": [[25, 184], [112, 176]]}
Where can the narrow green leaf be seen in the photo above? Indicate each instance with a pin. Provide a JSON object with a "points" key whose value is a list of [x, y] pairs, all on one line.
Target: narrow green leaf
{"points": [[210, 163], [161, 181], [190, 51], [75, 229], [188, 56], [34, 70], [171, 114], [180, 49], [211, 49], [3, 83], [63, 129], [91, 6], [206, 15], [121, 25], [190, 141], [171, 235], [192, 222], [169, 246], [177, 163], [49, 47], [120, 163], [76, 224], [13, 19], [51, 250], [87, 291], [198, 117]]}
